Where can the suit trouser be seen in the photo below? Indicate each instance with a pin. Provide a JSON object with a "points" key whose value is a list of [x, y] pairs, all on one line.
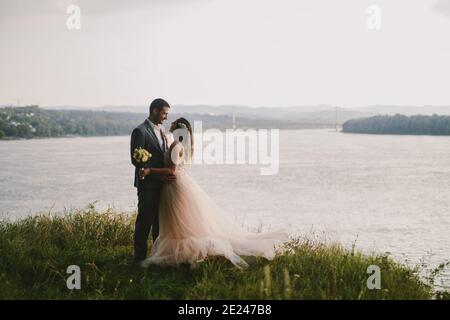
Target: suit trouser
{"points": [[147, 218]]}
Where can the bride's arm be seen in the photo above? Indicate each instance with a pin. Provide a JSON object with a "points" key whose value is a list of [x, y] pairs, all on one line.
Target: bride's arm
{"points": [[157, 171], [176, 154]]}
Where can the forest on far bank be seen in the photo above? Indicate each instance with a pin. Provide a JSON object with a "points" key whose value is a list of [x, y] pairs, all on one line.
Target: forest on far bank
{"points": [[400, 124], [32, 121]]}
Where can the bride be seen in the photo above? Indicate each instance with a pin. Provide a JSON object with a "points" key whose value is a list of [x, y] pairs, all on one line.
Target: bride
{"points": [[191, 226]]}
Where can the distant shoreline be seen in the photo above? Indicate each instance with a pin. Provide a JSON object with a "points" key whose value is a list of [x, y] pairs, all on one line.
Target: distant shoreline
{"points": [[397, 134], [126, 135], [4, 139]]}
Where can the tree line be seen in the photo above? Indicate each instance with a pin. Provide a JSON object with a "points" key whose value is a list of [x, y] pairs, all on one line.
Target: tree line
{"points": [[400, 124], [32, 121]]}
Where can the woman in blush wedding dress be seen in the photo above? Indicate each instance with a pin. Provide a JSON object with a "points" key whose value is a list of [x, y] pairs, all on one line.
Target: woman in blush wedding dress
{"points": [[192, 227]]}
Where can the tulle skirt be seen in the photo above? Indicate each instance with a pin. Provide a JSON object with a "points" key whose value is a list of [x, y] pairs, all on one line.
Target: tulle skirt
{"points": [[192, 227]]}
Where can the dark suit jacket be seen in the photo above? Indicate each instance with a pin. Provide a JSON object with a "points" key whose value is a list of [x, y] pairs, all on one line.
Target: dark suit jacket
{"points": [[144, 137]]}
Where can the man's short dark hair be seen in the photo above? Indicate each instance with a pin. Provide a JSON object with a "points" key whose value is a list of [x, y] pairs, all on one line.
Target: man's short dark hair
{"points": [[158, 104]]}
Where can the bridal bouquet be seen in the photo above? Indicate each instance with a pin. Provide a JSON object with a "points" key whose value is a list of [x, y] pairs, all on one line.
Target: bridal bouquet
{"points": [[141, 156]]}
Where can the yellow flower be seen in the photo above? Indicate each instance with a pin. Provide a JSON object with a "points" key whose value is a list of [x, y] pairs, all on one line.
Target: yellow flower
{"points": [[141, 155]]}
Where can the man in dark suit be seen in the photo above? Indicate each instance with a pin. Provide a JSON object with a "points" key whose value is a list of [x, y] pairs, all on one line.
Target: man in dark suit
{"points": [[149, 135]]}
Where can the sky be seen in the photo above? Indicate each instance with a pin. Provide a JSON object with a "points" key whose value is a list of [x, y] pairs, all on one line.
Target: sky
{"points": [[220, 52]]}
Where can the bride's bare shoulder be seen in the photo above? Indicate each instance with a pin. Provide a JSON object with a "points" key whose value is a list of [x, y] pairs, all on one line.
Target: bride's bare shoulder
{"points": [[176, 152], [176, 145]]}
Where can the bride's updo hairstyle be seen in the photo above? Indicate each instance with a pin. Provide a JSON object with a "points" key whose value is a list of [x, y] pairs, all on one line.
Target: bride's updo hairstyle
{"points": [[184, 124]]}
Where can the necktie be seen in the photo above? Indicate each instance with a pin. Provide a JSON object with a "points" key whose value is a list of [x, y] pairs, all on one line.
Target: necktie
{"points": [[163, 138]]}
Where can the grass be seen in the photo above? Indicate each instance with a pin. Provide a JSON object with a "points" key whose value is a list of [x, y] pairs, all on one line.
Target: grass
{"points": [[36, 251]]}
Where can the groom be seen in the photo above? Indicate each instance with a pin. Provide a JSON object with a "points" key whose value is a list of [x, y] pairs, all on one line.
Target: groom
{"points": [[150, 136]]}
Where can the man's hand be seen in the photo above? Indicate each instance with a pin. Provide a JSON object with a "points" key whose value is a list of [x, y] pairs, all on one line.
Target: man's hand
{"points": [[143, 173]]}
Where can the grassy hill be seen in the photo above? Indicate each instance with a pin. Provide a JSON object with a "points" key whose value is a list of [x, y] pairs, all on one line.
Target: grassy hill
{"points": [[36, 251]]}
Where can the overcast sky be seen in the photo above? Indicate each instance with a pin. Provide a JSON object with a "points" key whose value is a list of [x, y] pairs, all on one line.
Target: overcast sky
{"points": [[243, 52]]}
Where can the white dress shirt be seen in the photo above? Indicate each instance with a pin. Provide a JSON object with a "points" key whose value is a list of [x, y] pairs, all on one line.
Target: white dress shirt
{"points": [[157, 128]]}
